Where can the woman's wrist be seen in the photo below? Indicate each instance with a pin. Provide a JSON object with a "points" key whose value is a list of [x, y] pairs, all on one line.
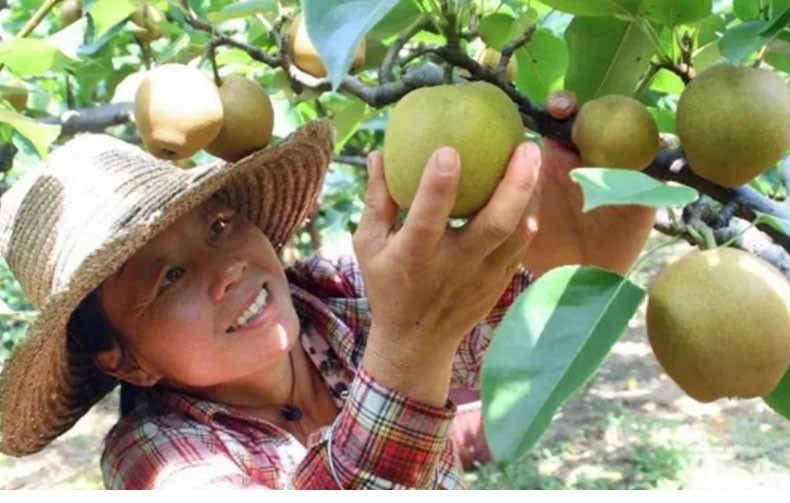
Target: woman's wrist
{"points": [[420, 371]]}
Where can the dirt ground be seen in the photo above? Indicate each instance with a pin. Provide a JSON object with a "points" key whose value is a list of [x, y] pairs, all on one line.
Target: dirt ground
{"points": [[630, 427]]}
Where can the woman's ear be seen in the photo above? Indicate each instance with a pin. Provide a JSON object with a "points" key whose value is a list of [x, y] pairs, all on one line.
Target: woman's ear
{"points": [[120, 364]]}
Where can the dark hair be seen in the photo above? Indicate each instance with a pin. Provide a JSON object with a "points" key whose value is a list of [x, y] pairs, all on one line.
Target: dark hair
{"points": [[90, 331]]}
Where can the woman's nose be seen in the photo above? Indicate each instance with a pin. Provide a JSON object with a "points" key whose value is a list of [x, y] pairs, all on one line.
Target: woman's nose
{"points": [[228, 277]]}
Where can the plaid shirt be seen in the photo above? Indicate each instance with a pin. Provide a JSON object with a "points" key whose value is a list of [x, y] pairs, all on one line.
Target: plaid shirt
{"points": [[380, 439]]}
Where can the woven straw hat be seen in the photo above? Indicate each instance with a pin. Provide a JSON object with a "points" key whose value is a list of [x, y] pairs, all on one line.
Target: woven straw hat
{"points": [[67, 225]]}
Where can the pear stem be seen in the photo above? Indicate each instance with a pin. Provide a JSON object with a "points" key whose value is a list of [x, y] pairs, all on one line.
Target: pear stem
{"points": [[212, 56], [647, 254]]}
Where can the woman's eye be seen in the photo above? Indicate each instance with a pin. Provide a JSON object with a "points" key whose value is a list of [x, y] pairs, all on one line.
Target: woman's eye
{"points": [[171, 276], [218, 225]]}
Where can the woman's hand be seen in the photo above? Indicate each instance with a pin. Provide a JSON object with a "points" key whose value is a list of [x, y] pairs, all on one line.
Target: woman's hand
{"points": [[429, 285], [610, 237]]}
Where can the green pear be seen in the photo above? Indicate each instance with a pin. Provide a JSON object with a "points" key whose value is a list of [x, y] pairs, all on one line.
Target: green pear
{"points": [[615, 132], [734, 123], [478, 120], [719, 324]]}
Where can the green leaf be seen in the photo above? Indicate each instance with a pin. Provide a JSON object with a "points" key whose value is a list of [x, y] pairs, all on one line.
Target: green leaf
{"points": [[337, 27], [551, 342], [675, 12], [742, 41], [595, 7], [779, 398], [667, 82], [40, 135], [665, 119], [778, 223], [243, 9], [746, 10], [607, 56], [174, 48], [108, 13], [398, 20], [495, 30], [777, 23], [348, 120], [611, 186], [28, 56], [710, 29], [541, 65]]}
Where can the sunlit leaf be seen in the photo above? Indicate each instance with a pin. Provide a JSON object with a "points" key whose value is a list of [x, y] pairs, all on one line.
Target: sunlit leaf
{"points": [[40, 135], [551, 342], [610, 186]]}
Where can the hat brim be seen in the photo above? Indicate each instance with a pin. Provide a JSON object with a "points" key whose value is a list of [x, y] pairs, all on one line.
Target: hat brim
{"points": [[48, 383]]}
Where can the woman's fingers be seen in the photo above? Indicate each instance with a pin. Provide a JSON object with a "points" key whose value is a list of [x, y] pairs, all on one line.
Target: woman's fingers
{"points": [[561, 104], [426, 221], [381, 212], [512, 251], [501, 217]]}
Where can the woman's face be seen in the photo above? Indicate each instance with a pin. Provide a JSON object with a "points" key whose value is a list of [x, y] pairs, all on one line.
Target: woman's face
{"points": [[178, 301]]}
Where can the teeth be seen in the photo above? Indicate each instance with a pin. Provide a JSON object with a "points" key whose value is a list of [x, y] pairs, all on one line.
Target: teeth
{"points": [[253, 310]]}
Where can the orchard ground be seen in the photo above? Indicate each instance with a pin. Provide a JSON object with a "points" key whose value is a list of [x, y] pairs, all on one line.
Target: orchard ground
{"points": [[629, 428]]}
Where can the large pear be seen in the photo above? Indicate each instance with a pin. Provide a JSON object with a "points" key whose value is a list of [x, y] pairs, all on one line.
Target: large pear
{"points": [[734, 123], [478, 120], [305, 55], [615, 132], [719, 324], [177, 110], [247, 122]]}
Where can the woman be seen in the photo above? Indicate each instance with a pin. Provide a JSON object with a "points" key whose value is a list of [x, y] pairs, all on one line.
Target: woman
{"points": [[238, 373]]}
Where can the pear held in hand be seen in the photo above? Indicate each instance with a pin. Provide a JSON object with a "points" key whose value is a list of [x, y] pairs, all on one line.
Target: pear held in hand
{"points": [[178, 111], [478, 120], [719, 324], [248, 119]]}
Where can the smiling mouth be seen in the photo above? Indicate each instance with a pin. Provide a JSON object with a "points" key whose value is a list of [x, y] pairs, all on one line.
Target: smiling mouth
{"points": [[253, 311]]}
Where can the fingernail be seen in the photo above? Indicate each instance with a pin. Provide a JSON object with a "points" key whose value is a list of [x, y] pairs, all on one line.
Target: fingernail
{"points": [[563, 102], [446, 160], [532, 224]]}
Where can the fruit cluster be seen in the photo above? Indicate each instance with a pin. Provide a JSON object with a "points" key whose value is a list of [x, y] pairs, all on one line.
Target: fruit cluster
{"points": [[178, 110]]}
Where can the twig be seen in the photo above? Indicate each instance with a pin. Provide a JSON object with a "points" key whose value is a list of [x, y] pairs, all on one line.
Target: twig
{"points": [[95, 119], [651, 72], [385, 71], [511, 47], [212, 56], [351, 160]]}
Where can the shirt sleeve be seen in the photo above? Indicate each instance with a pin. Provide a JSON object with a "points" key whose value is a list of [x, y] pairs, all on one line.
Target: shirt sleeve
{"points": [[469, 358], [381, 439], [147, 456]]}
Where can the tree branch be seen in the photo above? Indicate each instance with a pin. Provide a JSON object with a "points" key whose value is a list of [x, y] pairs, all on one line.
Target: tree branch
{"points": [[751, 240], [385, 72], [95, 119]]}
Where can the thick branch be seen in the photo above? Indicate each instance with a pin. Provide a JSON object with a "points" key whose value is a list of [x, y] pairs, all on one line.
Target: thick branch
{"points": [[663, 168], [751, 240], [91, 119]]}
